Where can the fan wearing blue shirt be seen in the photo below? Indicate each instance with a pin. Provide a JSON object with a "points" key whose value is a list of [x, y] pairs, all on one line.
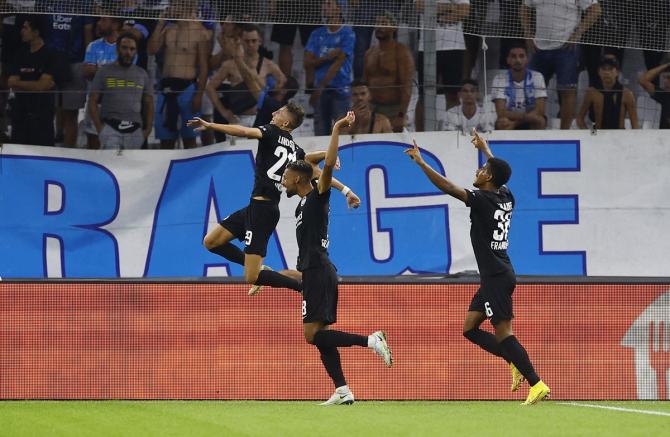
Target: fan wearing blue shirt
{"points": [[329, 53]]}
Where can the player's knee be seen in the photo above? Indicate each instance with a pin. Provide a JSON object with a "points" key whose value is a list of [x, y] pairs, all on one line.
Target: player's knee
{"points": [[309, 337], [470, 334]]}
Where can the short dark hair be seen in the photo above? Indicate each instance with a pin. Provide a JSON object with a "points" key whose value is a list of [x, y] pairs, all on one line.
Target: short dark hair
{"points": [[472, 82], [297, 113], [359, 82], [38, 23], [500, 171], [303, 168], [251, 27], [517, 45], [125, 35]]}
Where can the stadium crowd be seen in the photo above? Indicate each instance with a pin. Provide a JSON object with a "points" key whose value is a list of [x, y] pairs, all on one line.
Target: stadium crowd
{"points": [[90, 78]]}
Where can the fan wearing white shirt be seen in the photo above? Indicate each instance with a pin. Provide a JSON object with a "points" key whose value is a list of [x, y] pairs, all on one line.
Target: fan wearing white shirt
{"points": [[559, 25], [519, 93], [469, 114]]}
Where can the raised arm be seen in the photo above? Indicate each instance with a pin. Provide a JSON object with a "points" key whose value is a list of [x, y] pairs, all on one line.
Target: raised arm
{"points": [[481, 144], [325, 180], [648, 78], [235, 130], [441, 182]]}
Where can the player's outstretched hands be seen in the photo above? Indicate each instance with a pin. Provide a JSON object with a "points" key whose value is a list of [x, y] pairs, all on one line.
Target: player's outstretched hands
{"points": [[346, 121], [352, 200], [479, 142], [415, 153], [198, 124]]}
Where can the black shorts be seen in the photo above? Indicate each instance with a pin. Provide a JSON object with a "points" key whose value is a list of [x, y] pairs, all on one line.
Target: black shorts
{"points": [[494, 297], [449, 71], [254, 225], [284, 34], [319, 294]]}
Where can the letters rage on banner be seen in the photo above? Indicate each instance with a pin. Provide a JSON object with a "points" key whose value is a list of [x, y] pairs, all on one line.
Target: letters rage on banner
{"points": [[75, 213]]}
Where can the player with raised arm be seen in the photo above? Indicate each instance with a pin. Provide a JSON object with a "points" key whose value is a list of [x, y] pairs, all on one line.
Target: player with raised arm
{"points": [[491, 206], [255, 223], [319, 276]]}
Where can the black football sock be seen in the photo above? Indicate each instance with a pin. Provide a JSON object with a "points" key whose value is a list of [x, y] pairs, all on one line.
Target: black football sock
{"points": [[230, 252], [330, 358], [276, 279], [486, 341], [331, 338], [518, 355]]}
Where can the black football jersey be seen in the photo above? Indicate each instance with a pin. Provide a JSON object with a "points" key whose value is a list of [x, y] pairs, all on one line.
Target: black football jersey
{"points": [[276, 150], [491, 215], [311, 230]]}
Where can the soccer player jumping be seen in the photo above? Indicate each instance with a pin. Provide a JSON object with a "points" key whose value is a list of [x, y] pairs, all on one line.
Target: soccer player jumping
{"points": [[319, 276], [491, 206]]}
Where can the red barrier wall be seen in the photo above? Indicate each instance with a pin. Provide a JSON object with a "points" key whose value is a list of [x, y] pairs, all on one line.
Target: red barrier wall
{"points": [[211, 341]]}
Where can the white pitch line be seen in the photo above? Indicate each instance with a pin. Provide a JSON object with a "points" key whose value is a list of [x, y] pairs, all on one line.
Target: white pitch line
{"points": [[608, 407]]}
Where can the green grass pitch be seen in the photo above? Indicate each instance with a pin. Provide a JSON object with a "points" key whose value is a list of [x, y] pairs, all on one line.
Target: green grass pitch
{"points": [[256, 418]]}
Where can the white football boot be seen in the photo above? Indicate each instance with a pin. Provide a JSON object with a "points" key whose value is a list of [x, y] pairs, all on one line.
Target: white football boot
{"points": [[377, 341], [342, 396]]}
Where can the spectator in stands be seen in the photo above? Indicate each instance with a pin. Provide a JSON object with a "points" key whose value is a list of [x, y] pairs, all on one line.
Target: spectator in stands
{"points": [[233, 101], [141, 28], [519, 93], [609, 106], [329, 57], [469, 114], [615, 22], [389, 69], [292, 11], [559, 27], [227, 29], [662, 95], [365, 11], [512, 32], [450, 51], [33, 77], [126, 113], [100, 52], [368, 121], [69, 35], [184, 76], [269, 99]]}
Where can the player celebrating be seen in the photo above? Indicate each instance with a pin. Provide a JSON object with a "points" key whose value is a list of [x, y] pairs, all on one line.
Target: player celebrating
{"points": [[319, 305], [491, 206], [255, 223]]}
